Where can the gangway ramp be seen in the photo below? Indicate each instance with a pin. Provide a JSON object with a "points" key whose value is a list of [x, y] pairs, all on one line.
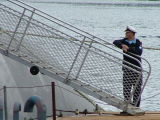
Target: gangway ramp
{"points": [[68, 54]]}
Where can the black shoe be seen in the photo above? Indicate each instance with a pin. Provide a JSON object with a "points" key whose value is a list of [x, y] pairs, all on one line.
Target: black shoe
{"points": [[124, 113]]}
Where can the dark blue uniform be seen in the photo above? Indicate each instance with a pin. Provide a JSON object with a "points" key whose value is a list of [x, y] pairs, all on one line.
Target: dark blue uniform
{"points": [[129, 76]]}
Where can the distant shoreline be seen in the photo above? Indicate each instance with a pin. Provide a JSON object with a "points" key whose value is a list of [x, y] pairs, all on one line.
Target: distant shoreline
{"points": [[115, 3]]}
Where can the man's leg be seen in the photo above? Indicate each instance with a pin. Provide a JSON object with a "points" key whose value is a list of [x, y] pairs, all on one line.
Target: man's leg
{"points": [[127, 84], [137, 94]]}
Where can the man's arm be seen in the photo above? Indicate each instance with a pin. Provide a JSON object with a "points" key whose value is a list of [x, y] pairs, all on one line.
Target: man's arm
{"points": [[118, 43], [136, 50]]}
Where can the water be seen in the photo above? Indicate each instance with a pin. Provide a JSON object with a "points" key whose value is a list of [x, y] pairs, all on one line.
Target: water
{"points": [[108, 22]]}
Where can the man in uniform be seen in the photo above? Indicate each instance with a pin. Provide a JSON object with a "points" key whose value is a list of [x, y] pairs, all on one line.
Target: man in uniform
{"points": [[133, 47]]}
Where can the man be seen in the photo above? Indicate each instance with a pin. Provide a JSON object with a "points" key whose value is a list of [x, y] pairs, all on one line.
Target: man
{"points": [[131, 46]]}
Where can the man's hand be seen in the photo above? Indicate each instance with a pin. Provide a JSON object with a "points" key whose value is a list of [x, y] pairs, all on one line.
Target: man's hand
{"points": [[125, 48]]}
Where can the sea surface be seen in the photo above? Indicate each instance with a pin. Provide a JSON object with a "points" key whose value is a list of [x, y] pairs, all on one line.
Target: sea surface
{"points": [[108, 21]]}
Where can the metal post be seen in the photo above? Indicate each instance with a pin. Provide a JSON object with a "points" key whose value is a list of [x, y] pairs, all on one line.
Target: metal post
{"points": [[5, 103], [84, 60], [53, 101], [75, 59], [1, 109], [16, 29], [28, 23]]}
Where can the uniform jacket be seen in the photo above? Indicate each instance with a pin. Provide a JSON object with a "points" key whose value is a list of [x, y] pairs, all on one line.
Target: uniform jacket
{"points": [[135, 48]]}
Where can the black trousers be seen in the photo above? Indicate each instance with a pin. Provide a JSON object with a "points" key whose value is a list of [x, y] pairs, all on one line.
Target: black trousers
{"points": [[130, 79]]}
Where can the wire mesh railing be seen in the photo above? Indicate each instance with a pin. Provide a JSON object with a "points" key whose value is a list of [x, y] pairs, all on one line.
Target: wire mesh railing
{"points": [[63, 48]]}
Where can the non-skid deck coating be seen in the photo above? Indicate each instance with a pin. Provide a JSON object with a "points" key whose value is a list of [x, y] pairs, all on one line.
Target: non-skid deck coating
{"points": [[114, 116]]}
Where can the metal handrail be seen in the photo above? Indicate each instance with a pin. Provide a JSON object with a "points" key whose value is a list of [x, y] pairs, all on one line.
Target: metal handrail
{"points": [[88, 47], [98, 49], [85, 43], [74, 28], [71, 29]]}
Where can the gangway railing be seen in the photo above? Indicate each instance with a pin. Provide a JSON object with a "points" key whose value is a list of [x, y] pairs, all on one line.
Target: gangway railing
{"points": [[68, 54]]}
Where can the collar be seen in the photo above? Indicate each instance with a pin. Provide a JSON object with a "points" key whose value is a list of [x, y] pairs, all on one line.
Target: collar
{"points": [[131, 41]]}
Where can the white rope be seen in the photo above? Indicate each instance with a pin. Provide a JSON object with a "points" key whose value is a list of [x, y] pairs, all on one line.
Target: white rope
{"points": [[150, 97], [3, 31]]}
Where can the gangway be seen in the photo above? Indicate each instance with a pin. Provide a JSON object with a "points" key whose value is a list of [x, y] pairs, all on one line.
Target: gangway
{"points": [[68, 54]]}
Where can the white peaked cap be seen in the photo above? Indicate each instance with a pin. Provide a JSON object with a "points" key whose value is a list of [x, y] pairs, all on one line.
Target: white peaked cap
{"points": [[131, 28]]}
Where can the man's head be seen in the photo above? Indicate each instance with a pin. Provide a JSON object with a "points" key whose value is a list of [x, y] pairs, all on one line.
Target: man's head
{"points": [[130, 32]]}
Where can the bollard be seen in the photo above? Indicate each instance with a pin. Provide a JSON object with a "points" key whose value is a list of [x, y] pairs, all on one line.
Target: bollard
{"points": [[41, 108], [16, 109], [1, 109]]}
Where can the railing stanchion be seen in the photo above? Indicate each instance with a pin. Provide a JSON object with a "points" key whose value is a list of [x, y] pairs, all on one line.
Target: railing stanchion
{"points": [[25, 31], [53, 101], [17, 26], [84, 60], [5, 103], [76, 57], [1, 109]]}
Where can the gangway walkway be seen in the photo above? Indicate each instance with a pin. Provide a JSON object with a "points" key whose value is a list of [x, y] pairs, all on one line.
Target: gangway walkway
{"points": [[68, 54]]}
